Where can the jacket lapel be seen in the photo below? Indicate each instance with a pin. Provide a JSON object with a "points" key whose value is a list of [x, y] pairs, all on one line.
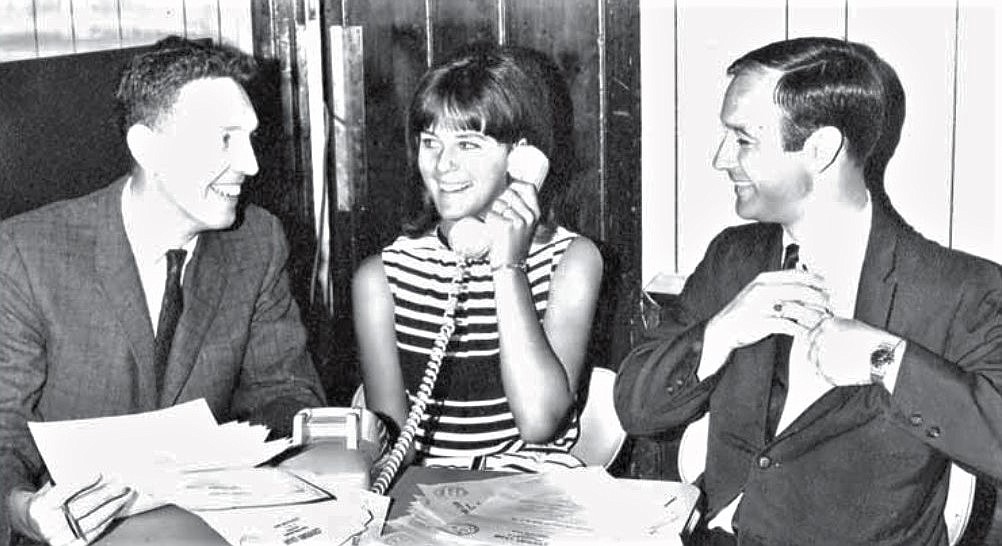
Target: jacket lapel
{"points": [[874, 300], [204, 283], [115, 268]]}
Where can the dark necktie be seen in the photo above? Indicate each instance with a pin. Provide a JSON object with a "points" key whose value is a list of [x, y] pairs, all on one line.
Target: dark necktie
{"points": [[170, 312], [777, 393]]}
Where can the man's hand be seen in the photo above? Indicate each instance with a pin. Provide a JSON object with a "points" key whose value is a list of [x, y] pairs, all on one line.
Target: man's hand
{"points": [[70, 513], [841, 349], [775, 302]]}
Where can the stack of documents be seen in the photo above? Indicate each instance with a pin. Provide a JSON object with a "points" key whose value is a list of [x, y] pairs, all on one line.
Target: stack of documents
{"points": [[578, 506], [180, 455], [143, 447]]}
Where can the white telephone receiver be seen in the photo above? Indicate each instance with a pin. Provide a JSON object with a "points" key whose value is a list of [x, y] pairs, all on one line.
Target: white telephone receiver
{"points": [[526, 163]]}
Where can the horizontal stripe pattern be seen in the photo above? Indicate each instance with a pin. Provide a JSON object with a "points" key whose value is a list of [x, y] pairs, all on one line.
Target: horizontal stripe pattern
{"points": [[468, 415]]}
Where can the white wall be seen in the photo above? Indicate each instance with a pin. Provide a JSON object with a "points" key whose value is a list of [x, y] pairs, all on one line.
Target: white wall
{"points": [[945, 174], [42, 28]]}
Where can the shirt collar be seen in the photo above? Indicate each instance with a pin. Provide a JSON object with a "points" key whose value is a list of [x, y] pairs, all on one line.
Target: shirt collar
{"points": [[149, 244]]}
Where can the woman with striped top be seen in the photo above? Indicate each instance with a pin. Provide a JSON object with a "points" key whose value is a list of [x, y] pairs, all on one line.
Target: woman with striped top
{"points": [[520, 315]]}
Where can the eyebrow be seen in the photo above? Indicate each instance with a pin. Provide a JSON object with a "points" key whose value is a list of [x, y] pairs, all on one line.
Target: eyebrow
{"points": [[465, 134]]}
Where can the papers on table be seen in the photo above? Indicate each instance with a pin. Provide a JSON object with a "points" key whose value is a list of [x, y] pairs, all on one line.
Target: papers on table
{"points": [[578, 506], [150, 451], [181, 456], [354, 514]]}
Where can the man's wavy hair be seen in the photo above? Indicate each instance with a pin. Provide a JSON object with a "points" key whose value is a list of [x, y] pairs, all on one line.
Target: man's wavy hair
{"points": [[824, 82], [509, 93], [150, 84]]}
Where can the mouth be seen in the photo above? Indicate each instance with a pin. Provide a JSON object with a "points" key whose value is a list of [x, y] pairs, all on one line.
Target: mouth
{"points": [[743, 188], [454, 187], [226, 191]]}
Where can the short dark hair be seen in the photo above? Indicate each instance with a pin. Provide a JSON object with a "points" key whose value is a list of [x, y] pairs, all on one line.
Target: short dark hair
{"points": [[509, 93], [150, 84], [824, 82]]}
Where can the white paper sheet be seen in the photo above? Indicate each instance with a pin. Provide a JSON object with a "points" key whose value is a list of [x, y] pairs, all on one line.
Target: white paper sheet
{"points": [[145, 449], [579, 506]]}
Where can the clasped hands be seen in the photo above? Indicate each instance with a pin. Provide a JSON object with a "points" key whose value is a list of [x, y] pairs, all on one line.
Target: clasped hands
{"points": [[71, 513], [796, 303]]}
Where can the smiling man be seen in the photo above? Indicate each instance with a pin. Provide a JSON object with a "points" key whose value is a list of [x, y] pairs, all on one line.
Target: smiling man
{"points": [[844, 360], [155, 290]]}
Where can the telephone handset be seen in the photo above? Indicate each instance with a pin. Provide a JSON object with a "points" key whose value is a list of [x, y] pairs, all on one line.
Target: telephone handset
{"points": [[468, 238]]}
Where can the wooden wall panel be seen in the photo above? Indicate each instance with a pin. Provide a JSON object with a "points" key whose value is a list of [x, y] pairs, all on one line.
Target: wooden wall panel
{"points": [[815, 18], [568, 31], [96, 26], [17, 32], [395, 41], [977, 198], [707, 43], [657, 82], [455, 23], [55, 30], [921, 50], [235, 24], [142, 25], [202, 18]]}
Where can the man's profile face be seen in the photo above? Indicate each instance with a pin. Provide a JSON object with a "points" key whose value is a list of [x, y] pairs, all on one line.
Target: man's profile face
{"points": [[204, 152], [770, 184]]}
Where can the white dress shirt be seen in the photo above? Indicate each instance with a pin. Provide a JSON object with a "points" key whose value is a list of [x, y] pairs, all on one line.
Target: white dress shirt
{"points": [[836, 254], [149, 248]]}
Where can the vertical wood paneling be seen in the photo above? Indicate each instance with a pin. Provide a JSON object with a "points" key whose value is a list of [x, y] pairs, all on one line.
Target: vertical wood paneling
{"points": [[201, 19], [142, 25], [977, 227], [921, 50], [617, 326], [97, 25], [816, 18], [17, 31], [235, 24], [657, 82], [707, 43], [456, 23], [568, 32], [55, 27], [394, 40]]}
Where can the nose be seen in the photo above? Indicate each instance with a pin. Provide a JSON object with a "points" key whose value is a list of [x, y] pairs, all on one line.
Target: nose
{"points": [[726, 156], [243, 159], [446, 159]]}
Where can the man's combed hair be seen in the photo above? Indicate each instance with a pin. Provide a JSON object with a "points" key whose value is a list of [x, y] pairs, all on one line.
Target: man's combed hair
{"points": [[825, 82], [150, 84]]}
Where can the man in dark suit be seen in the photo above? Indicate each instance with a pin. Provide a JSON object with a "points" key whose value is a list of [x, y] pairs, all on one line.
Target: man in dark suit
{"points": [[844, 360], [155, 290]]}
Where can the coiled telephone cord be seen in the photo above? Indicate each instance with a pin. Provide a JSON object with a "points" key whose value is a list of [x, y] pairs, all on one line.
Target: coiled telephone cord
{"points": [[406, 438]]}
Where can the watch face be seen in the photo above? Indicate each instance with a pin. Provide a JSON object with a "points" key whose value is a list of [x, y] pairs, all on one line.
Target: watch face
{"points": [[880, 359]]}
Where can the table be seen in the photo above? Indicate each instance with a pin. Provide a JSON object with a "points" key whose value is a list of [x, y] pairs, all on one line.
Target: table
{"points": [[172, 526]]}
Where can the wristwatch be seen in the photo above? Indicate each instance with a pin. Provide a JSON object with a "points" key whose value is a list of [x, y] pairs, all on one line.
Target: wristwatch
{"points": [[881, 359]]}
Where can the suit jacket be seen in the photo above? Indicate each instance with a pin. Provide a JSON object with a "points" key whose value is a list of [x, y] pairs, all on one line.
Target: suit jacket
{"points": [[859, 466], [77, 340]]}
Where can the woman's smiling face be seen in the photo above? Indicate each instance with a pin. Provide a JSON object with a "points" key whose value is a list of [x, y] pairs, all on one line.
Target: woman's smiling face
{"points": [[463, 171]]}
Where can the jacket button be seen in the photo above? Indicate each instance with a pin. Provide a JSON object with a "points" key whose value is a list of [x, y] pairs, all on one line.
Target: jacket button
{"points": [[915, 419], [670, 389], [764, 462], [680, 382], [932, 432]]}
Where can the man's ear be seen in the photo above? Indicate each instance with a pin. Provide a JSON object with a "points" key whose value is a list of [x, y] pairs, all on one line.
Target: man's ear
{"points": [[140, 140], [823, 147]]}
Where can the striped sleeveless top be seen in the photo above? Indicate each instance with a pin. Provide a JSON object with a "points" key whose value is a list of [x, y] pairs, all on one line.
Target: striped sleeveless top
{"points": [[468, 414]]}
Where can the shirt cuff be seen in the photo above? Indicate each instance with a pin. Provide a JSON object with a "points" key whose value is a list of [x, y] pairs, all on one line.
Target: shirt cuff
{"points": [[891, 377]]}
